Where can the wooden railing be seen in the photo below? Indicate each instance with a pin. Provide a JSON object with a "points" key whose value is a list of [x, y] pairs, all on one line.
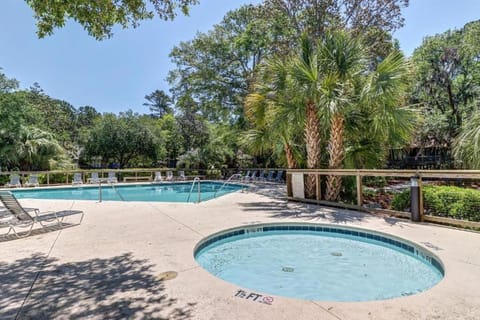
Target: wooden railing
{"points": [[419, 175], [50, 178]]}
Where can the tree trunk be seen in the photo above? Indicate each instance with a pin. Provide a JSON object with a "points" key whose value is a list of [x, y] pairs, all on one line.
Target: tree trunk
{"points": [[291, 162], [312, 141], [336, 150]]}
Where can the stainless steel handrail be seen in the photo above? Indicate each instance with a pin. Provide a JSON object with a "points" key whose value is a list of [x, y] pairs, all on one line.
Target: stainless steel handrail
{"points": [[228, 180], [196, 179]]}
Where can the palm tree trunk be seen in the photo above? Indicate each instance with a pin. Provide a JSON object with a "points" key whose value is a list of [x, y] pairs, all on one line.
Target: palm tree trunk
{"points": [[312, 141], [291, 162], [336, 150]]}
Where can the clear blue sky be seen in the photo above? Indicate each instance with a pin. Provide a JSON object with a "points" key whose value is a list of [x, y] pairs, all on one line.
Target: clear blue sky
{"points": [[115, 74]]}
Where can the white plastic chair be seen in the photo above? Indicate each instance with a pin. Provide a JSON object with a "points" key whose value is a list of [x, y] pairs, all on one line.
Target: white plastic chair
{"points": [[14, 181], [32, 181], [158, 177], [94, 178], [77, 178], [112, 178]]}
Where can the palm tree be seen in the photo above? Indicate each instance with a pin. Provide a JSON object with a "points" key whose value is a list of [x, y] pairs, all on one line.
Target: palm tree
{"points": [[343, 63], [268, 109], [323, 85], [466, 147], [378, 94]]}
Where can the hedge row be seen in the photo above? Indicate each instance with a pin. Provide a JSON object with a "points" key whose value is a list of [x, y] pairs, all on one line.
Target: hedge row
{"points": [[444, 201]]}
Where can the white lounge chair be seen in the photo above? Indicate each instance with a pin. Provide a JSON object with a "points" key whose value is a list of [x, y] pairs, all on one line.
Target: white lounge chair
{"points": [[112, 178], [181, 175], [158, 177], [14, 181], [32, 181], [77, 178], [169, 176], [21, 217], [94, 178]]}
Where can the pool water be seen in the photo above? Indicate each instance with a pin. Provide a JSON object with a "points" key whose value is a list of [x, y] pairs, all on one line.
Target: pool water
{"points": [[325, 266], [165, 192]]}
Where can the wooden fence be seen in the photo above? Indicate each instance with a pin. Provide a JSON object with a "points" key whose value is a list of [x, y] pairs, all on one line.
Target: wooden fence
{"points": [[294, 191]]}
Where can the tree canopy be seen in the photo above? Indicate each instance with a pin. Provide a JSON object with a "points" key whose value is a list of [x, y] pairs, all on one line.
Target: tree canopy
{"points": [[99, 17]]}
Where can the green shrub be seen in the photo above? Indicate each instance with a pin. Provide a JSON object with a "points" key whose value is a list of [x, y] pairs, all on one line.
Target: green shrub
{"points": [[444, 201], [401, 201], [375, 182]]}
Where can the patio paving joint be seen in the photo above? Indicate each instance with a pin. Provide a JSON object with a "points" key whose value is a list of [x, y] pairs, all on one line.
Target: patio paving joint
{"points": [[326, 310]]}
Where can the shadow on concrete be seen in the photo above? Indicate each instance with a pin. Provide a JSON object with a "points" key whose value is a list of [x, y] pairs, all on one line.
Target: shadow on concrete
{"points": [[278, 207], [120, 287], [35, 232], [317, 213]]}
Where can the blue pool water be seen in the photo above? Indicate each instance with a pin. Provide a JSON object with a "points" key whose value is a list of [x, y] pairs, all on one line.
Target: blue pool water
{"points": [[319, 263], [165, 192]]}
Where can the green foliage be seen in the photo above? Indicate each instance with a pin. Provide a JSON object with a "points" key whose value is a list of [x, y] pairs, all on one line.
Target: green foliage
{"points": [[159, 103], [121, 139], [447, 73], [401, 201], [444, 201], [98, 17], [375, 182], [467, 144]]}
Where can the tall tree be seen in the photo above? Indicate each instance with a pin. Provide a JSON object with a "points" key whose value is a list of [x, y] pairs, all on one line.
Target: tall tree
{"points": [[122, 139], [99, 17], [216, 68], [446, 83], [159, 103]]}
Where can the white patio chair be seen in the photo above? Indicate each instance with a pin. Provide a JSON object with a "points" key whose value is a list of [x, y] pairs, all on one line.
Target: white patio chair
{"points": [[112, 178], [181, 175], [14, 181], [169, 176], [94, 178], [158, 177], [32, 181], [77, 178]]}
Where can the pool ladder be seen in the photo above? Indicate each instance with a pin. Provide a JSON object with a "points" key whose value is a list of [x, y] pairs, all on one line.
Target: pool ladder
{"points": [[113, 187], [238, 175], [197, 179]]}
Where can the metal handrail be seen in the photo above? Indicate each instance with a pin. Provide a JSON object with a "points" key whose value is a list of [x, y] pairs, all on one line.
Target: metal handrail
{"points": [[113, 187], [228, 180], [196, 179]]}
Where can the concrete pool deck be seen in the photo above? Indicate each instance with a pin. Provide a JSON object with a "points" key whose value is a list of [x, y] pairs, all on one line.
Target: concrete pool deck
{"points": [[111, 266]]}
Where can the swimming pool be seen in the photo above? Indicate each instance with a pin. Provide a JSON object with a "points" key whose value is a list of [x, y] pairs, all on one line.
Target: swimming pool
{"points": [[164, 192], [319, 262]]}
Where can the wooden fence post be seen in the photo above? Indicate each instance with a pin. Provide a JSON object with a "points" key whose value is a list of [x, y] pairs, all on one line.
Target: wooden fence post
{"points": [[359, 191]]}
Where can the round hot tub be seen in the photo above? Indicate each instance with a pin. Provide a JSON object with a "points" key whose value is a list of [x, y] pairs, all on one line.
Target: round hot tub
{"points": [[319, 262]]}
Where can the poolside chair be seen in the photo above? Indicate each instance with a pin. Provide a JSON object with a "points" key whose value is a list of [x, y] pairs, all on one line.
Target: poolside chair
{"points": [[158, 177], [279, 177], [261, 176], [269, 176], [77, 178], [94, 178], [14, 181], [169, 176], [21, 217], [32, 181], [181, 175], [112, 178], [246, 176]]}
